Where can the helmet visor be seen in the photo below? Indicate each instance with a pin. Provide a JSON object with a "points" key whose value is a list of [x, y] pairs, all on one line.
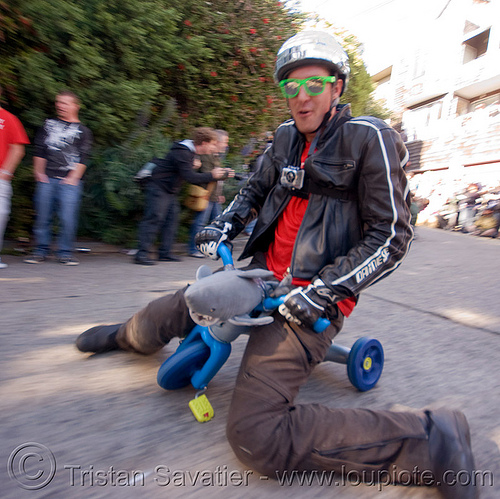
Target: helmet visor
{"points": [[315, 85]]}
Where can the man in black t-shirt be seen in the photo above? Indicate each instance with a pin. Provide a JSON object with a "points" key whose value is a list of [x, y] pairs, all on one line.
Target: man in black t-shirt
{"points": [[62, 148]]}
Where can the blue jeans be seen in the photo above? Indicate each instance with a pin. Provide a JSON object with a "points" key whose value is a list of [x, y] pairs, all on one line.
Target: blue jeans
{"points": [[54, 196], [200, 219], [5, 198], [161, 211]]}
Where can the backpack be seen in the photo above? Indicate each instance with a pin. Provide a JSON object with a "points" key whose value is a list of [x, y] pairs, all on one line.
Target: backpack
{"points": [[144, 174]]}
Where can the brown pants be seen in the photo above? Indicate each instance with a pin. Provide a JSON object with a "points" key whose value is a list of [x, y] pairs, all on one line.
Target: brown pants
{"points": [[150, 329], [266, 430]]}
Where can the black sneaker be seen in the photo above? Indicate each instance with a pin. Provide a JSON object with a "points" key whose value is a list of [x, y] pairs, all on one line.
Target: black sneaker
{"points": [[34, 259], [98, 339], [169, 258], [69, 261], [143, 260], [451, 453]]}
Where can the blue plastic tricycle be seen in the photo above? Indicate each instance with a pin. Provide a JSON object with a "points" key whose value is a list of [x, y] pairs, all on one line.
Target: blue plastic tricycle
{"points": [[204, 351]]}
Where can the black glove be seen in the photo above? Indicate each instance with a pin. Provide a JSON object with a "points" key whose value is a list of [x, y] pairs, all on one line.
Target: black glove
{"points": [[306, 305], [210, 237]]}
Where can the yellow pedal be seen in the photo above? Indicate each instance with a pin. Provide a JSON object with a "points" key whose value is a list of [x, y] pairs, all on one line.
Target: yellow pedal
{"points": [[201, 408]]}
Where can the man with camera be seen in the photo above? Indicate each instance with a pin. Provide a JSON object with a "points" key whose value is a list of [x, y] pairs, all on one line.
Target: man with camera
{"points": [[333, 218], [161, 210]]}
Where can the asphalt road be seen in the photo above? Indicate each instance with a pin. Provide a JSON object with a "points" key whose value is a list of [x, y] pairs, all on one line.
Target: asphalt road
{"points": [[100, 426]]}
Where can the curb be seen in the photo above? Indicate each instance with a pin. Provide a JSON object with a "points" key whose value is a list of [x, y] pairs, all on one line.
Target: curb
{"points": [[24, 247]]}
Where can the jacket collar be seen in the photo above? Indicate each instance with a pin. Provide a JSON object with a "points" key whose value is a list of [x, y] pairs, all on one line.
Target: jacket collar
{"points": [[342, 115], [189, 144]]}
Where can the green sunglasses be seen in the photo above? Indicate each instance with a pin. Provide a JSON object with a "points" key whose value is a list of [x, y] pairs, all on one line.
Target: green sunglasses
{"points": [[313, 85]]}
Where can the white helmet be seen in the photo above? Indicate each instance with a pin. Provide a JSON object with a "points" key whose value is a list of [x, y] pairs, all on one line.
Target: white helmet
{"points": [[309, 47]]}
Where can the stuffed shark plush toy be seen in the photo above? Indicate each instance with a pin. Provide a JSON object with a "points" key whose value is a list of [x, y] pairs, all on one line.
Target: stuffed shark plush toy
{"points": [[230, 295]]}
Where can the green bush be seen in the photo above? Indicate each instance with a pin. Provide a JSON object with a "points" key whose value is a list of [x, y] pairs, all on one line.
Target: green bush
{"points": [[211, 63], [112, 203]]}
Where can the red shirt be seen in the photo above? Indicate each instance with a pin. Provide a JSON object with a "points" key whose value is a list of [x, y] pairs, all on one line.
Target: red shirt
{"points": [[11, 132], [279, 254]]}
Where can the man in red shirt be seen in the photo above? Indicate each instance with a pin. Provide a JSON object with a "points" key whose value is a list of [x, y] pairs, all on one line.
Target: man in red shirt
{"points": [[12, 141], [333, 218]]}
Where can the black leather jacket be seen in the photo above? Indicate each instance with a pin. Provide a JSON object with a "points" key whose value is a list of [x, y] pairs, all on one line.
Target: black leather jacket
{"points": [[356, 228]]}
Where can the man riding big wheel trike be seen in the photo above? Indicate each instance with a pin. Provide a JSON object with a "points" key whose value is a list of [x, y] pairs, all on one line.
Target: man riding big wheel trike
{"points": [[227, 304], [332, 207]]}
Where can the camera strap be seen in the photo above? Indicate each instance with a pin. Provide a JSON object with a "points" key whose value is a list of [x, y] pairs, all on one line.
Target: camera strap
{"points": [[332, 192]]}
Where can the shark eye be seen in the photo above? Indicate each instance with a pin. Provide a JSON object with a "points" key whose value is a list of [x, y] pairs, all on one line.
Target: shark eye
{"points": [[212, 310]]}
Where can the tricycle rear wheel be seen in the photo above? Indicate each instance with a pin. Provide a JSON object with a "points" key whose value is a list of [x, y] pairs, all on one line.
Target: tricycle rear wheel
{"points": [[365, 363]]}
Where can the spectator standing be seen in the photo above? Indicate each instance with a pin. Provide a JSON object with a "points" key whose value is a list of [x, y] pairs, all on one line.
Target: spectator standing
{"points": [[12, 140], [487, 223], [162, 191], [468, 207], [254, 165], [216, 199], [62, 150]]}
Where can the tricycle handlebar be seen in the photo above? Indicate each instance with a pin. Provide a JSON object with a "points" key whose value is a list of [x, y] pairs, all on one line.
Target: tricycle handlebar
{"points": [[269, 303], [225, 253]]}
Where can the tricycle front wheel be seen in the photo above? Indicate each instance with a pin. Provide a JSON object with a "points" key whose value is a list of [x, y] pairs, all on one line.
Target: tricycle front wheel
{"points": [[176, 372]]}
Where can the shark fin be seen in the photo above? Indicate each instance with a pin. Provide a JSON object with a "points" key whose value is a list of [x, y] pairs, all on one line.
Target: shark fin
{"points": [[246, 320], [203, 271], [255, 274]]}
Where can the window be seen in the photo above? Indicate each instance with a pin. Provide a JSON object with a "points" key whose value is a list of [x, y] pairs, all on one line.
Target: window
{"points": [[476, 46], [423, 122], [485, 102]]}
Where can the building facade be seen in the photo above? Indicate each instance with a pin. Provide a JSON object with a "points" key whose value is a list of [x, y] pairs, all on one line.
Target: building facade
{"points": [[444, 93]]}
